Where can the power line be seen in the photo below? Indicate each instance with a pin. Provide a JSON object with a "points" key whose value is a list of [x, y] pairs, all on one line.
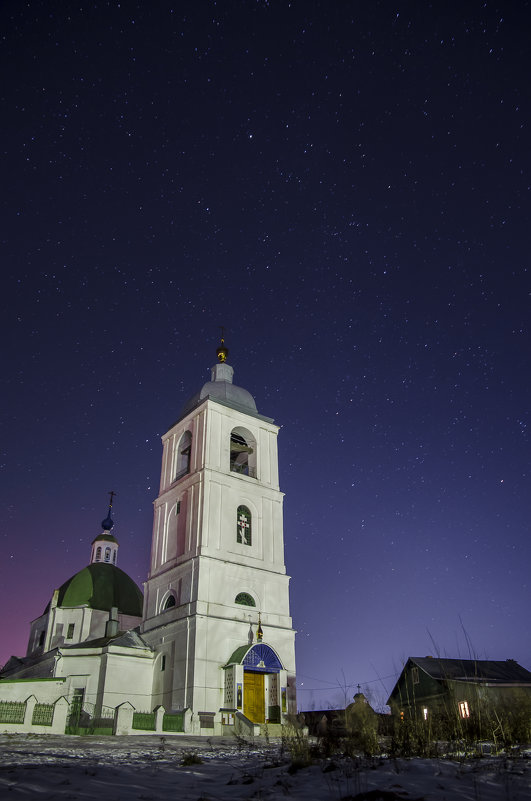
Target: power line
{"points": [[337, 686]]}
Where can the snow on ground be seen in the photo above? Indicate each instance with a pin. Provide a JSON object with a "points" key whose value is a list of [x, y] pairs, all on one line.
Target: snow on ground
{"points": [[151, 768]]}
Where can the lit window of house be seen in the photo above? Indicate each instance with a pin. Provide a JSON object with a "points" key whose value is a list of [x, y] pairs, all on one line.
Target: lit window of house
{"points": [[464, 711], [425, 713]]}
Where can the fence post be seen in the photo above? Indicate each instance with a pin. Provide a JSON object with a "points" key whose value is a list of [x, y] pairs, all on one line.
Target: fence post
{"points": [[187, 720], [123, 718], [60, 715], [159, 715], [28, 715]]}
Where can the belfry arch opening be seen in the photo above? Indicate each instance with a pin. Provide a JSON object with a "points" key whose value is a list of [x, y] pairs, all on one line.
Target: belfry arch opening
{"points": [[242, 452], [184, 451]]}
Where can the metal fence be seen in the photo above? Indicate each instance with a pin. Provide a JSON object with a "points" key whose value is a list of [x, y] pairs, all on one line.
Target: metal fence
{"points": [[12, 711], [42, 715], [173, 721], [144, 721]]}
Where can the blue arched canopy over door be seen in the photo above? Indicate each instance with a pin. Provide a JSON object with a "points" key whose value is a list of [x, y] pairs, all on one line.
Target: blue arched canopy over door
{"points": [[259, 657], [262, 658]]}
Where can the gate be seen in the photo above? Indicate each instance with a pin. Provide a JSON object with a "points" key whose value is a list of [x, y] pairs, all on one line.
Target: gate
{"points": [[85, 718]]}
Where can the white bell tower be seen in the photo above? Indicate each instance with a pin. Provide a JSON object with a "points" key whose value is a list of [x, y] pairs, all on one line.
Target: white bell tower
{"points": [[217, 563]]}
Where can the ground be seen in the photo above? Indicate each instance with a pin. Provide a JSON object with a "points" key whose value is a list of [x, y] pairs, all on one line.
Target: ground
{"points": [[151, 768]]}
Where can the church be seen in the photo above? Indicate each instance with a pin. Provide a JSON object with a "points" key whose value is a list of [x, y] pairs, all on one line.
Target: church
{"points": [[210, 646]]}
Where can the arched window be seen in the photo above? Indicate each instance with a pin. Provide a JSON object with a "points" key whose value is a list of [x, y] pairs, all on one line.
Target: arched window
{"points": [[184, 450], [107, 554], [98, 554], [170, 601], [114, 558], [243, 526], [244, 599], [242, 452]]}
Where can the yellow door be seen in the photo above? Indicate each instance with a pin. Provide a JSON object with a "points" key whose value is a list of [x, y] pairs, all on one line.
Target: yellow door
{"points": [[253, 696]]}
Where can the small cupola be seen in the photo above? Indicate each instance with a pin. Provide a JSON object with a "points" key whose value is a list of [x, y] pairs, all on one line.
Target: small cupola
{"points": [[105, 545]]}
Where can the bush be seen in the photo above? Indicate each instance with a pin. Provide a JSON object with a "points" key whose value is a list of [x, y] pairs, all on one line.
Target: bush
{"points": [[297, 744], [191, 758]]}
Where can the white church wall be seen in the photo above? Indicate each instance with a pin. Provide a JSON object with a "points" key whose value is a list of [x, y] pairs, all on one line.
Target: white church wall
{"points": [[179, 582], [220, 582], [210, 643], [83, 669], [37, 636], [174, 640], [109, 676], [70, 625], [125, 622], [129, 676], [46, 691], [161, 690]]}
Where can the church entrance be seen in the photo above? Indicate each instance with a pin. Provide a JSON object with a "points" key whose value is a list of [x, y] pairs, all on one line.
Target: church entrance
{"points": [[254, 696], [255, 683]]}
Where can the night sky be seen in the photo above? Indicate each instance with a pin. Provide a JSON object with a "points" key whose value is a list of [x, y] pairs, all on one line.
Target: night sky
{"points": [[345, 187]]}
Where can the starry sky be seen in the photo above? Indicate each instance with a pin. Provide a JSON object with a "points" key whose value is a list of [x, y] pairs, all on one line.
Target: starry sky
{"points": [[345, 186]]}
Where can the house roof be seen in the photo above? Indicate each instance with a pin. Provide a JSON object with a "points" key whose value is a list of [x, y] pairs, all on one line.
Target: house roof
{"points": [[472, 669]]}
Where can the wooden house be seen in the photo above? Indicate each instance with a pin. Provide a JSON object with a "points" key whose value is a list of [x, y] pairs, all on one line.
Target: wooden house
{"points": [[432, 685]]}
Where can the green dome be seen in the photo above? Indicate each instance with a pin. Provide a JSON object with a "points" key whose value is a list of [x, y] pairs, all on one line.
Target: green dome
{"points": [[102, 586]]}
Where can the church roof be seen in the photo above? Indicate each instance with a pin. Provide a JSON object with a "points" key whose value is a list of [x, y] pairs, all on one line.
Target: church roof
{"points": [[230, 394], [237, 656], [40, 666], [102, 586], [125, 639], [222, 390], [105, 537]]}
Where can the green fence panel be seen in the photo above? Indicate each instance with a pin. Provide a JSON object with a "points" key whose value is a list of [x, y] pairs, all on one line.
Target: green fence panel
{"points": [[173, 721], [42, 715], [144, 721], [12, 711]]}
